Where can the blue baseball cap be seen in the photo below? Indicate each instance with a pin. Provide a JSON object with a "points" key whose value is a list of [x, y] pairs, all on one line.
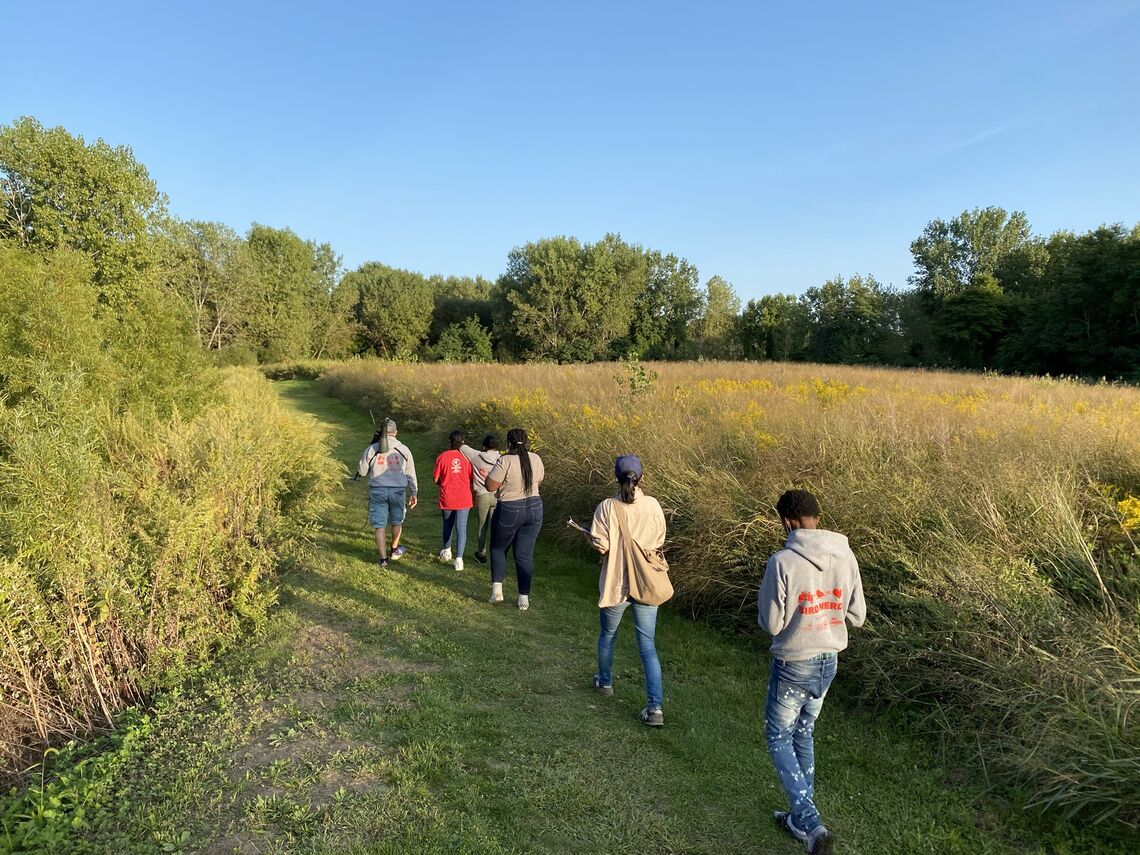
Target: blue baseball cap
{"points": [[628, 464]]}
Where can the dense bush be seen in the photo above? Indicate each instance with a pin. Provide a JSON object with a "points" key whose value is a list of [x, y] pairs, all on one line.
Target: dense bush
{"points": [[995, 519], [143, 500]]}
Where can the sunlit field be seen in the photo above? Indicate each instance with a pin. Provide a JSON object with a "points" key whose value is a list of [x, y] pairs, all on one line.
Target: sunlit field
{"points": [[995, 519]]}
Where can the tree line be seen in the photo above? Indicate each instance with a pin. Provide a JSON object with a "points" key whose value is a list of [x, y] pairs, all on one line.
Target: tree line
{"points": [[986, 293]]}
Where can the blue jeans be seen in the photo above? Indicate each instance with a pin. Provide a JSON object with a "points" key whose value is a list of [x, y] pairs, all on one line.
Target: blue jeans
{"points": [[455, 520], [645, 625], [795, 697], [515, 524]]}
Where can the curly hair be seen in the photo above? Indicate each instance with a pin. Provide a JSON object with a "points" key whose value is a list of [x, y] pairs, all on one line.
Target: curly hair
{"points": [[797, 504]]}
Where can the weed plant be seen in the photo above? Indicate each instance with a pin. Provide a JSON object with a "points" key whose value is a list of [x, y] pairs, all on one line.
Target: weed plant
{"points": [[995, 519], [144, 499]]}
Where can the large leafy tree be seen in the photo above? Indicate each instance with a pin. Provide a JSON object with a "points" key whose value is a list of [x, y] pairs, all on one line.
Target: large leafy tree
{"points": [[457, 298], [207, 266], [851, 320], [58, 191], [290, 310], [1082, 313], [775, 327], [565, 301], [715, 330], [951, 256], [668, 304], [392, 309]]}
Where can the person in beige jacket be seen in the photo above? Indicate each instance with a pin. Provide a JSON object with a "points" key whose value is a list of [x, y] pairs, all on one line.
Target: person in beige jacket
{"points": [[646, 525]]}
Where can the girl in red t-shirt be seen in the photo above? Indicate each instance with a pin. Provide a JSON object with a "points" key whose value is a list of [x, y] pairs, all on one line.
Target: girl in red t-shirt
{"points": [[454, 475]]}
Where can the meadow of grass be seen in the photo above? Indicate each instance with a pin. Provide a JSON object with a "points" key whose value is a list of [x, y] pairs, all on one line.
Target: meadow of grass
{"points": [[382, 713], [136, 547], [995, 519]]}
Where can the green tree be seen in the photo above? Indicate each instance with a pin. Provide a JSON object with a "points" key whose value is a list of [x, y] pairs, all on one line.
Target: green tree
{"points": [[207, 267], [970, 324], [290, 310], [851, 321], [715, 330], [565, 301], [668, 304], [392, 308], [950, 257], [774, 327], [468, 341], [58, 191], [458, 298], [1082, 314]]}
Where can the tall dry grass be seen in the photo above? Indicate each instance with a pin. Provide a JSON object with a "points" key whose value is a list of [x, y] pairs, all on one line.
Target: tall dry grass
{"points": [[995, 519], [134, 547]]}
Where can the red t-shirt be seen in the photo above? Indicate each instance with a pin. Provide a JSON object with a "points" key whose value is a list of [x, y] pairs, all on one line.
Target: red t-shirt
{"points": [[454, 475]]}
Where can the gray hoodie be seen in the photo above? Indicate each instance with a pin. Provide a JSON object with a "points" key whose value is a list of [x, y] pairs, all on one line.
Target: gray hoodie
{"points": [[395, 468], [810, 591]]}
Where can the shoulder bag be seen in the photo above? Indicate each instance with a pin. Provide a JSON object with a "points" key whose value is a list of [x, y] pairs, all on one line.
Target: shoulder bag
{"points": [[647, 569]]}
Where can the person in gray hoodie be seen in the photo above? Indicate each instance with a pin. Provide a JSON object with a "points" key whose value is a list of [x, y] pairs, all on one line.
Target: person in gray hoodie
{"points": [[811, 590], [391, 484]]}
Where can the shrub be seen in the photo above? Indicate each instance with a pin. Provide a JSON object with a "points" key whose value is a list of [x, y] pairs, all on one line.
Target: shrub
{"points": [[143, 499]]}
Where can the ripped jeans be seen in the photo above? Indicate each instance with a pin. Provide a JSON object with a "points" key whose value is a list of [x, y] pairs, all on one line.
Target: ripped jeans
{"points": [[795, 697]]}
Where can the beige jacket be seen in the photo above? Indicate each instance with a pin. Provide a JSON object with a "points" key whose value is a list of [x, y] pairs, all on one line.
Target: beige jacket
{"points": [[646, 524]]}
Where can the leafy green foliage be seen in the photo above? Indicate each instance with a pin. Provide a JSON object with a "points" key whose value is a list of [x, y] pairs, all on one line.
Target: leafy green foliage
{"points": [[716, 330], [464, 342], [955, 255], [392, 308], [57, 191]]}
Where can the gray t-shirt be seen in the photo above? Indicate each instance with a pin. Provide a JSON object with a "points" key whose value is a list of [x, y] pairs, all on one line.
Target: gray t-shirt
{"points": [[508, 470]]}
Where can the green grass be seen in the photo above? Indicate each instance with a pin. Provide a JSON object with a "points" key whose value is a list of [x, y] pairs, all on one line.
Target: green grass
{"points": [[397, 711]]}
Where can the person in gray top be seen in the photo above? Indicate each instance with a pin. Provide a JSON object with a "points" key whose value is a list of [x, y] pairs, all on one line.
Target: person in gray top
{"points": [[391, 484], [811, 590], [485, 500]]}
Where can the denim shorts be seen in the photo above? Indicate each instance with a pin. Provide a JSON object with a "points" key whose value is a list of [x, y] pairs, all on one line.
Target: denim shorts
{"points": [[385, 506]]}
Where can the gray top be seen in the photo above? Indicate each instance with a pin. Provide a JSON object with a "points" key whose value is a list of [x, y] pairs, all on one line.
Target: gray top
{"points": [[394, 469], [481, 462], [811, 590]]}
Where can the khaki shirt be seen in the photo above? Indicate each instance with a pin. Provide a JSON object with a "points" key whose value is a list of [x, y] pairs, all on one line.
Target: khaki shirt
{"points": [[508, 470], [646, 523]]}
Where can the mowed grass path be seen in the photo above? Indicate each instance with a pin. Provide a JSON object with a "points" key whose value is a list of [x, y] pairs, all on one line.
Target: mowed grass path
{"points": [[399, 712]]}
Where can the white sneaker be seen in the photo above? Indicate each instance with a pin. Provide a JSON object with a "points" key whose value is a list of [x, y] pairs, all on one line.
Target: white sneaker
{"points": [[524, 602], [445, 555], [458, 563], [496, 592]]}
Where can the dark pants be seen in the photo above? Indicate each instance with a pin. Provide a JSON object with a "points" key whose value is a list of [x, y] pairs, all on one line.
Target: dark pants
{"points": [[515, 525]]}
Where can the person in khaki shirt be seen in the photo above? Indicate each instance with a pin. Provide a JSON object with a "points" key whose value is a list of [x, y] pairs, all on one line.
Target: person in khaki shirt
{"points": [[646, 525], [517, 519]]}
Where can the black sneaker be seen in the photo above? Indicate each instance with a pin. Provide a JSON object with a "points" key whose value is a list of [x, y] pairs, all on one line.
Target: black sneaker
{"points": [[653, 717], [383, 563], [481, 557], [818, 842]]}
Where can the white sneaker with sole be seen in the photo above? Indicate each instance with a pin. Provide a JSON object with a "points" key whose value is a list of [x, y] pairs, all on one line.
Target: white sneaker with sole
{"points": [[458, 564], [524, 602], [445, 555], [496, 592]]}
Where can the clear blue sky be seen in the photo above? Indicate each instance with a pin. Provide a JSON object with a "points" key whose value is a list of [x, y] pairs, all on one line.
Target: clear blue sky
{"points": [[773, 144]]}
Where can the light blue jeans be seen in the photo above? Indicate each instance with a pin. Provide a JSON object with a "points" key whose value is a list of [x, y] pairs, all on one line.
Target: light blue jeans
{"points": [[645, 625], [795, 697], [457, 521]]}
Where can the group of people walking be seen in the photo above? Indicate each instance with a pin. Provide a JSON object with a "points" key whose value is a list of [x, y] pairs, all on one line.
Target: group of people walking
{"points": [[810, 592]]}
